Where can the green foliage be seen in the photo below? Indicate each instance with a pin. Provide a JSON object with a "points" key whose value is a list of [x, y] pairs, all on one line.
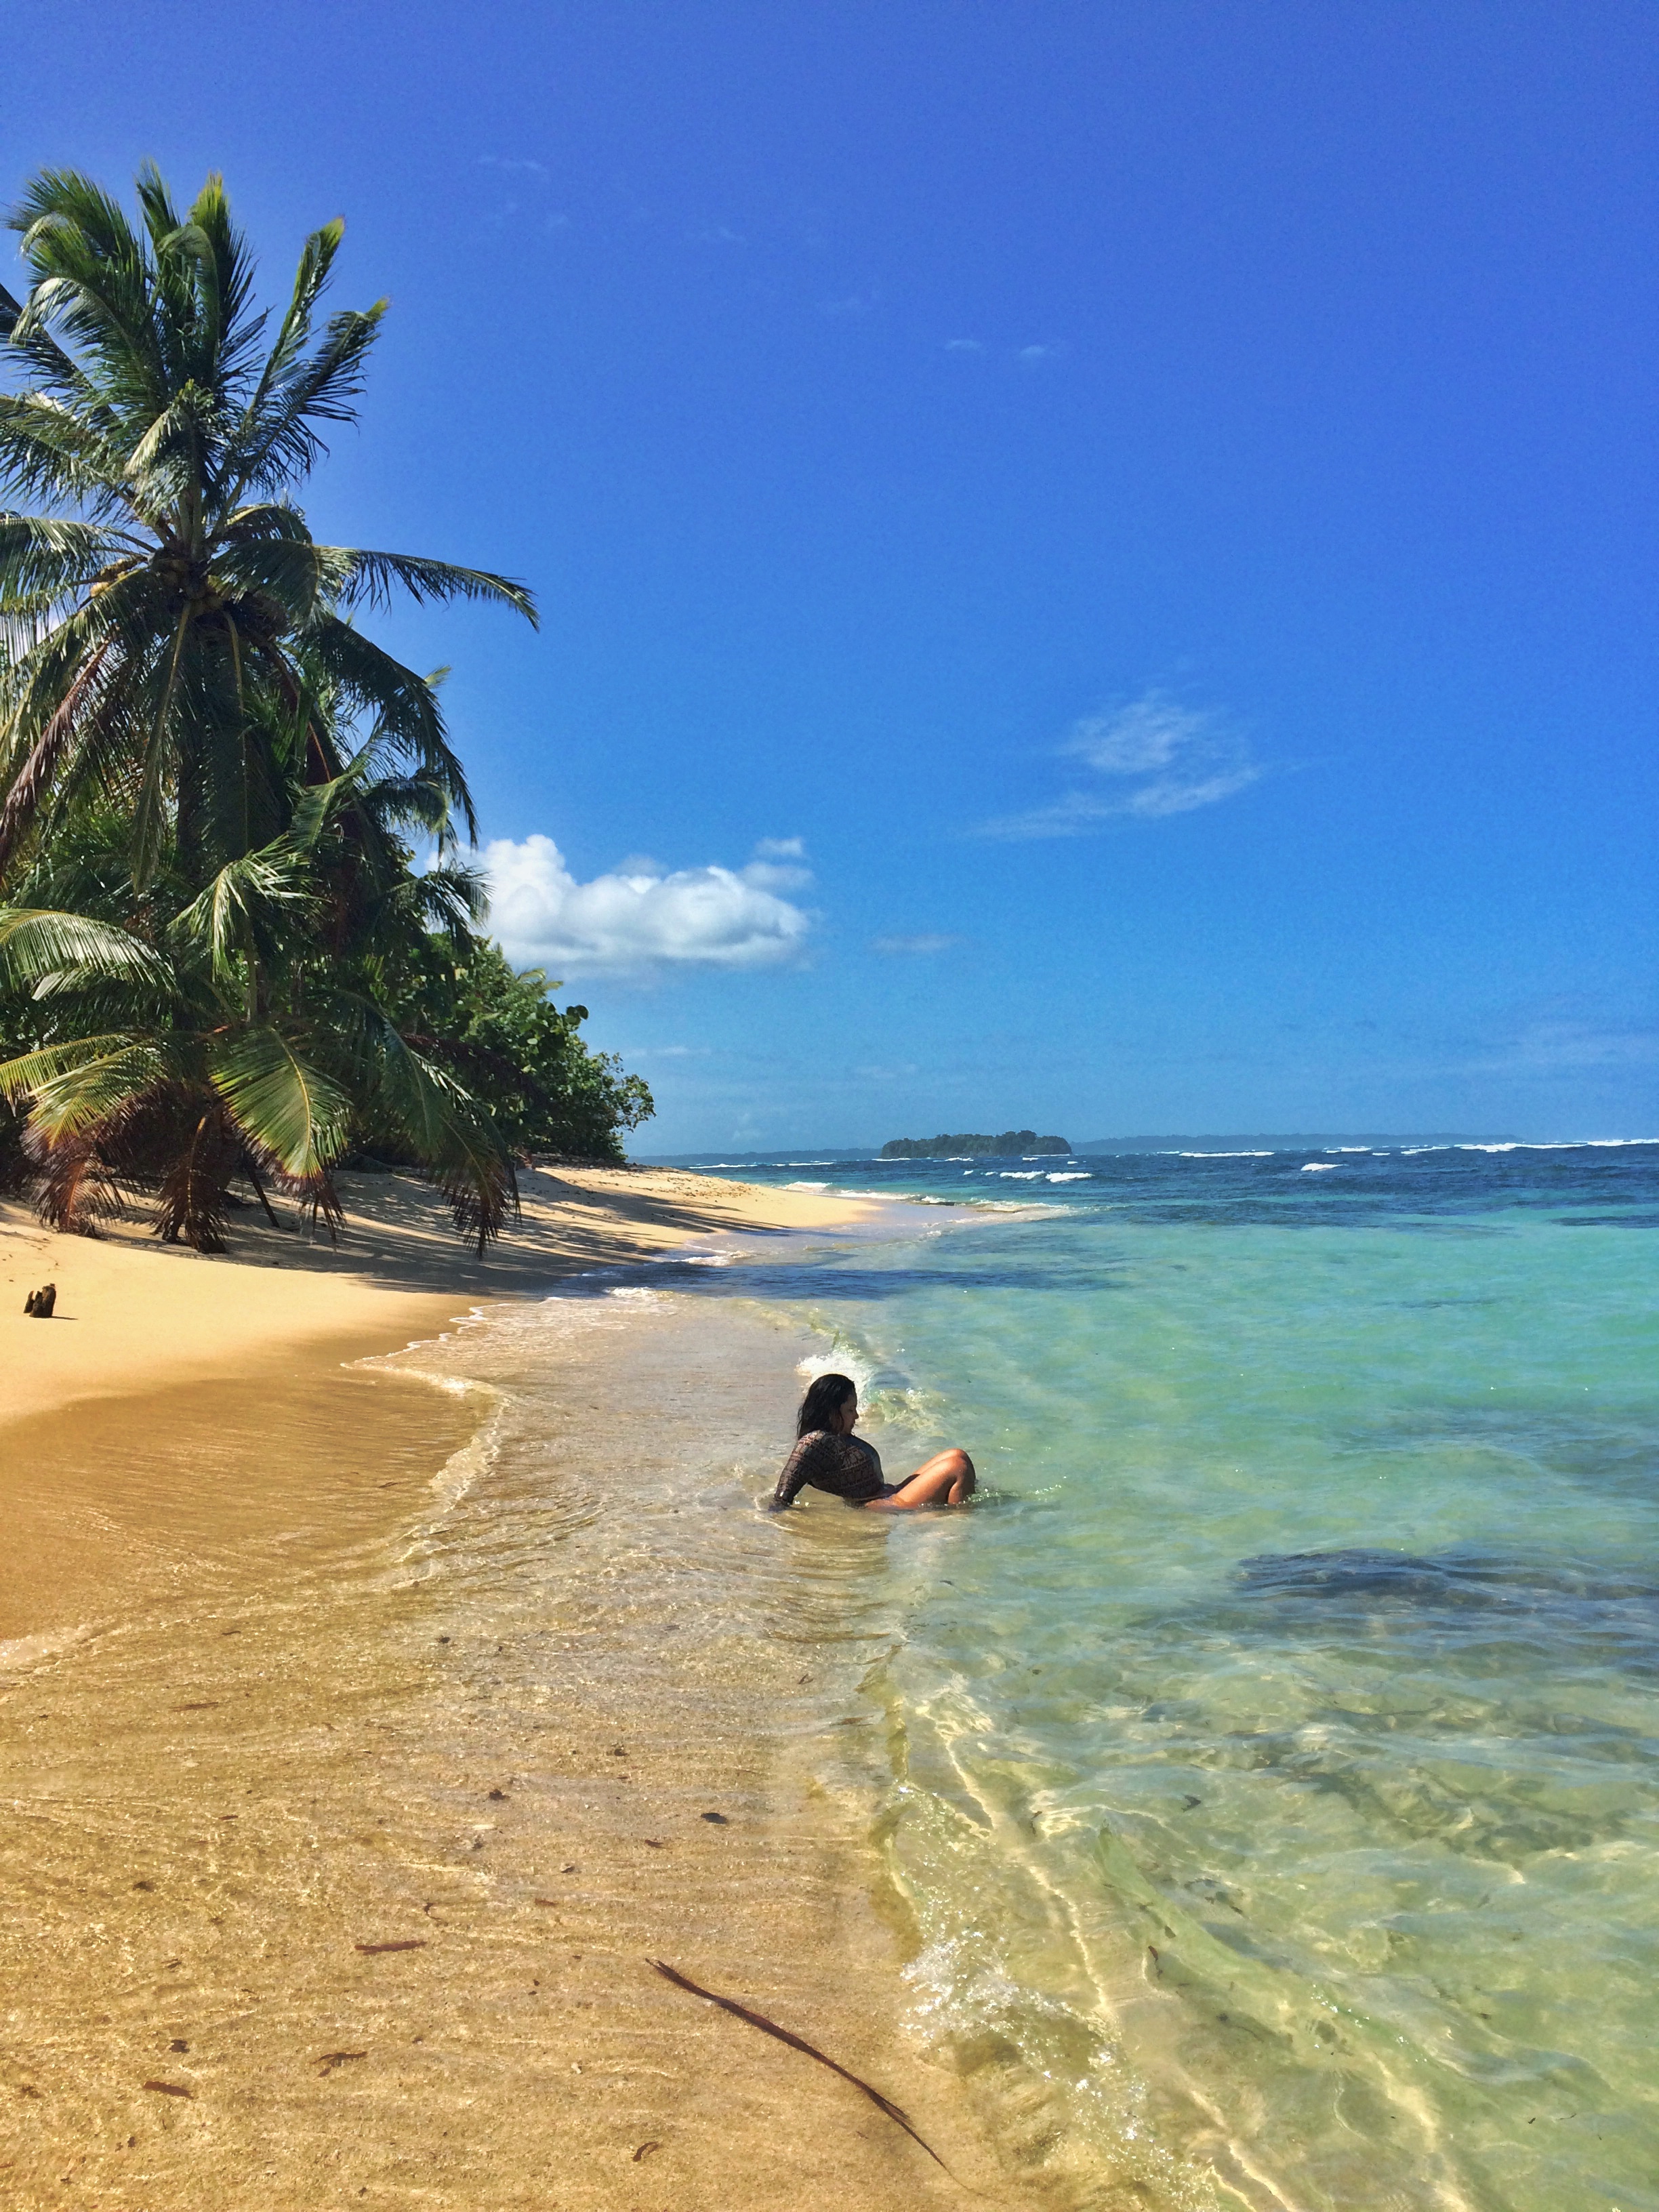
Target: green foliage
{"points": [[519, 1053], [219, 1039], [1011, 1144], [217, 955]]}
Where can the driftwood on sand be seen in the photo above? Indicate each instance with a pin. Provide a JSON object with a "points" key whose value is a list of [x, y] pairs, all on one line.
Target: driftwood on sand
{"points": [[800, 2043]]}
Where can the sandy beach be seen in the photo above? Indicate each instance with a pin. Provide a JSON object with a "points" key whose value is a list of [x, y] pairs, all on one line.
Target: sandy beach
{"points": [[346, 1819], [142, 1315]]}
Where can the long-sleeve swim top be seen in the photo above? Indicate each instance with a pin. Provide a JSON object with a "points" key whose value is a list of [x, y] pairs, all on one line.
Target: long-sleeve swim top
{"points": [[846, 1467]]}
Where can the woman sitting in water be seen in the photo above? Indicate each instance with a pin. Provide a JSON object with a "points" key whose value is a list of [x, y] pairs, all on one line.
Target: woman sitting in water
{"points": [[830, 1457]]}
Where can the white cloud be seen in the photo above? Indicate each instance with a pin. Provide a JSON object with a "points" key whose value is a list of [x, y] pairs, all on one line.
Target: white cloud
{"points": [[512, 168], [1034, 355], [1178, 759], [926, 942], [779, 864], [643, 918], [963, 345]]}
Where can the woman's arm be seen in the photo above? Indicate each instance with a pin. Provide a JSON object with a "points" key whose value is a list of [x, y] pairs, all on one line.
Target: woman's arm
{"points": [[797, 1472]]}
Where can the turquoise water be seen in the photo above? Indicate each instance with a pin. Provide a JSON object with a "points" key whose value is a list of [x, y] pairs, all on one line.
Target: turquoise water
{"points": [[1275, 1745]]}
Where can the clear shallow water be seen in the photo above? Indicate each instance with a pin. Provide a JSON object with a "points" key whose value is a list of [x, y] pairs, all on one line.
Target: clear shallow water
{"points": [[1276, 1747]]}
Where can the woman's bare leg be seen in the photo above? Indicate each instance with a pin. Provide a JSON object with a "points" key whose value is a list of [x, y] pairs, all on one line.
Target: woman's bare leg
{"points": [[945, 1479]]}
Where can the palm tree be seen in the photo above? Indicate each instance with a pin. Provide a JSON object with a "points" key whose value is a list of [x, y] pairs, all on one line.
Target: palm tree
{"points": [[159, 1065], [164, 628], [181, 677]]}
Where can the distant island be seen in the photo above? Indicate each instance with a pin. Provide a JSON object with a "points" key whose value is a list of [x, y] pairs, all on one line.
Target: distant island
{"points": [[1024, 1143]]}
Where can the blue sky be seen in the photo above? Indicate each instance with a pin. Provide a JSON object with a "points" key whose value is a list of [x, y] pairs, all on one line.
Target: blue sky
{"points": [[1097, 560]]}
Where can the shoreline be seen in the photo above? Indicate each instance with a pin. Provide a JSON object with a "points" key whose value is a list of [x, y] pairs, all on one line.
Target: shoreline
{"points": [[133, 1315], [358, 1707]]}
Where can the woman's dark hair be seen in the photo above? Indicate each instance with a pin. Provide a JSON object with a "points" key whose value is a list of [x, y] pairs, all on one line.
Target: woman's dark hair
{"points": [[825, 1396]]}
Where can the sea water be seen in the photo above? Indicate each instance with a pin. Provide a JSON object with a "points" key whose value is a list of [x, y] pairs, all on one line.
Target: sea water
{"points": [[1273, 1748]]}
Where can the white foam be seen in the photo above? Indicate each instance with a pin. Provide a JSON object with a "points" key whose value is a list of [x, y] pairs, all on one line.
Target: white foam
{"points": [[44, 1644], [840, 1359], [1082, 1176], [1320, 1167], [1556, 1145], [806, 1186], [1020, 1175]]}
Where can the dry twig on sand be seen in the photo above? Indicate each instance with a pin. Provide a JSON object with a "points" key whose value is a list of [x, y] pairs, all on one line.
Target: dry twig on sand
{"points": [[800, 2043]]}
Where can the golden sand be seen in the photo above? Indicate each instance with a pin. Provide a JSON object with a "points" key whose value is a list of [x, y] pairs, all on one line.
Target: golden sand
{"points": [[132, 1315], [346, 1816]]}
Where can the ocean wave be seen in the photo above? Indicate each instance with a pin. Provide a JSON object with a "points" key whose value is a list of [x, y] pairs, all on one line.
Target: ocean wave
{"points": [[1320, 1167], [1521, 1144], [806, 1186], [463, 1467], [842, 1358]]}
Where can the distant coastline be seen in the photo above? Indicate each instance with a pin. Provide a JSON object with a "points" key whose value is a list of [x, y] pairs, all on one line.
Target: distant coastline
{"points": [[824, 1156]]}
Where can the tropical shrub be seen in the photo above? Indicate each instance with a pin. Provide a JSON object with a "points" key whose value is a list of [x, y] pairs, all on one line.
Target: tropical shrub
{"points": [[517, 1052]]}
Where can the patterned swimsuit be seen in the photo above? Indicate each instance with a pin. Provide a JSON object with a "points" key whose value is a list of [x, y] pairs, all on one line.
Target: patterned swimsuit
{"points": [[846, 1467]]}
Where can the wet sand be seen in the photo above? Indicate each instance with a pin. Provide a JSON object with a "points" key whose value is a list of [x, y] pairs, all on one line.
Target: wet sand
{"points": [[363, 1747], [238, 1358]]}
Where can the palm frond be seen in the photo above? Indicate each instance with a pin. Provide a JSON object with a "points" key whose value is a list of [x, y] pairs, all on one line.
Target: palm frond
{"points": [[44, 359], [93, 282], [40, 768], [248, 905], [245, 459], [371, 576], [43, 558], [50, 451], [203, 1153], [452, 1137], [293, 1115], [225, 278], [43, 950], [28, 1072], [405, 705], [279, 442], [299, 575], [84, 1095], [169, 455], [74, 1187], [265, 519]]}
